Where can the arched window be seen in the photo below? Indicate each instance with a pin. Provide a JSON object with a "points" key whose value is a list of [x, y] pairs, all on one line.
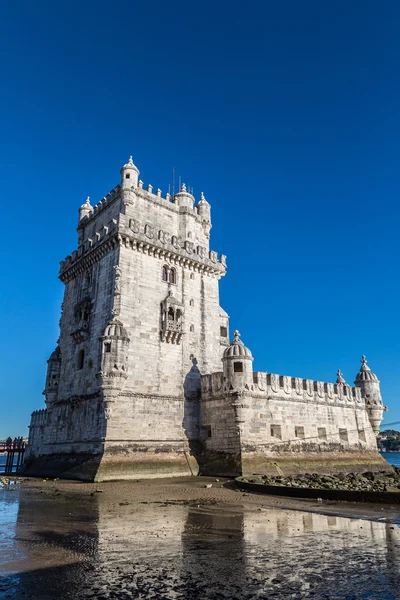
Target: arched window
{"points": [[171, 314], [81, 360], [172, 276], [191, 302], [191, 275], [192, 328], [107, 347], [165, 273], [178, 316]]}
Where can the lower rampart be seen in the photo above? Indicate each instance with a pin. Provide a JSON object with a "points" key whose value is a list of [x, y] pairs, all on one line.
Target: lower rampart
{"points": [[132, 436], [284, 425]]}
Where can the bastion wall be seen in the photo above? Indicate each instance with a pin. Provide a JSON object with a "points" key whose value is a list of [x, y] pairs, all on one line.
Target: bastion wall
{"points": [[285, 424]]}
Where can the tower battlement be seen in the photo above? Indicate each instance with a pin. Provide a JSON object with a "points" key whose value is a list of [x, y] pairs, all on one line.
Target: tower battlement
{"points": [[287, 388]]}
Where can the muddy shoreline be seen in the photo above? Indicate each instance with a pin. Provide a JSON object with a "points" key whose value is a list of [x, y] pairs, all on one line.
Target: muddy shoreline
{"points": [[179, 539], [193, 491]]}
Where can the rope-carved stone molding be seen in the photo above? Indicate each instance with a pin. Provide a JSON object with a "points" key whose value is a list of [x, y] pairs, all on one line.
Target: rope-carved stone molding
{"points": [[86, 256]]}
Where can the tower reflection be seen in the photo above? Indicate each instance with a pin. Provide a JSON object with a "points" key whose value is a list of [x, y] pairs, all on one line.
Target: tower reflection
{"points": [[85, 546]]}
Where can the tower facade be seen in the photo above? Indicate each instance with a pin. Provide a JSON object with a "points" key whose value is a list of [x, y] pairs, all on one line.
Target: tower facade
{"points": [[140, 323], [144, 381]]}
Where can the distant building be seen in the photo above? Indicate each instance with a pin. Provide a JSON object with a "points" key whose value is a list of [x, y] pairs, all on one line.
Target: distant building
{"points": [[144, 381]]}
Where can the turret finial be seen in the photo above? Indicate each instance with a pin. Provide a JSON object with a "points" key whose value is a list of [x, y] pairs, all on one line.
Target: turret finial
{"points": [[364, 366], [183, 187], [236, 335], [87, 200], [202, 197], [340, 378], [130, 161]]}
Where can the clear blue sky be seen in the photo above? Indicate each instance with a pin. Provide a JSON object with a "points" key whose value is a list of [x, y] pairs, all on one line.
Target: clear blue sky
{"points": [[286, 114]]}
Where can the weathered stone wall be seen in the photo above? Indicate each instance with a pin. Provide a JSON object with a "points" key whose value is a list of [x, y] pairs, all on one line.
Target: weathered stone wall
{"points": [[283, 420], [220, 435], [99, 293], [305, 413]]}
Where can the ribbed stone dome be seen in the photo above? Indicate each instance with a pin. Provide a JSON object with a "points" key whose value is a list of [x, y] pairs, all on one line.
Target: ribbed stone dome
{"points": [[237, 349], [365, 373], [56, 355], [115, 329], [87, 204], [203, 201]]}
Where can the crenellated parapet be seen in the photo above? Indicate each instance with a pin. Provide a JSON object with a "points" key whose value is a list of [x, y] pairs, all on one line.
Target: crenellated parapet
{"points": [[95, 210], [38, 417], [122, 218], [271, 385]]}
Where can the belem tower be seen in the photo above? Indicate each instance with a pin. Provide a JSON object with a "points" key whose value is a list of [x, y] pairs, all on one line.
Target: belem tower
{"points": [[145, 382]]}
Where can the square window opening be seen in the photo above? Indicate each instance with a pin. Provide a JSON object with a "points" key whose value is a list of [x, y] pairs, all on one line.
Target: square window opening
{"points": [[276, 432], [238, 367]]}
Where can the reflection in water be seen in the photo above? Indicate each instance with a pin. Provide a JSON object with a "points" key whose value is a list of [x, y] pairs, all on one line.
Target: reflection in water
{"points": [[8, 520], [81, 547]]}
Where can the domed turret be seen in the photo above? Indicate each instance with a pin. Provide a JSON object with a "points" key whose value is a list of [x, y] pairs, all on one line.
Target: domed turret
{"points": [[129, 175], [114, 358], [55, 356], [183, 199], [237, 361], [204, 211], [368, 383], [53, 377], [85, 209], [365, 373], [115, 329]]}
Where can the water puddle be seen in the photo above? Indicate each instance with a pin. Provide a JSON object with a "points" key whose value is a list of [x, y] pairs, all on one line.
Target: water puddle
{"points": [[89, 547]]}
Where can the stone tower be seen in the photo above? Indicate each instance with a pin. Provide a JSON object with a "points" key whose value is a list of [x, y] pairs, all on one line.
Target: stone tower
{"points": [[141, 322], [144, 381]]}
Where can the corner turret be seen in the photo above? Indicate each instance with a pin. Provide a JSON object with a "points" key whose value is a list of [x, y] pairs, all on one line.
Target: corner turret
{"points": [[204, 211], [368, 383], [129, 175], [237, 363], [85, 209], [53, 377], [114, 355], [183, 199]]}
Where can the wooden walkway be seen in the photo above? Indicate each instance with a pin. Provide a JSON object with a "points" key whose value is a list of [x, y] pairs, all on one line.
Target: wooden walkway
{"points": [[15, 450]]}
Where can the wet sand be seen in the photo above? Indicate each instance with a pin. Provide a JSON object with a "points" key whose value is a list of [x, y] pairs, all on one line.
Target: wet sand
{"points": [[176, 539]]}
